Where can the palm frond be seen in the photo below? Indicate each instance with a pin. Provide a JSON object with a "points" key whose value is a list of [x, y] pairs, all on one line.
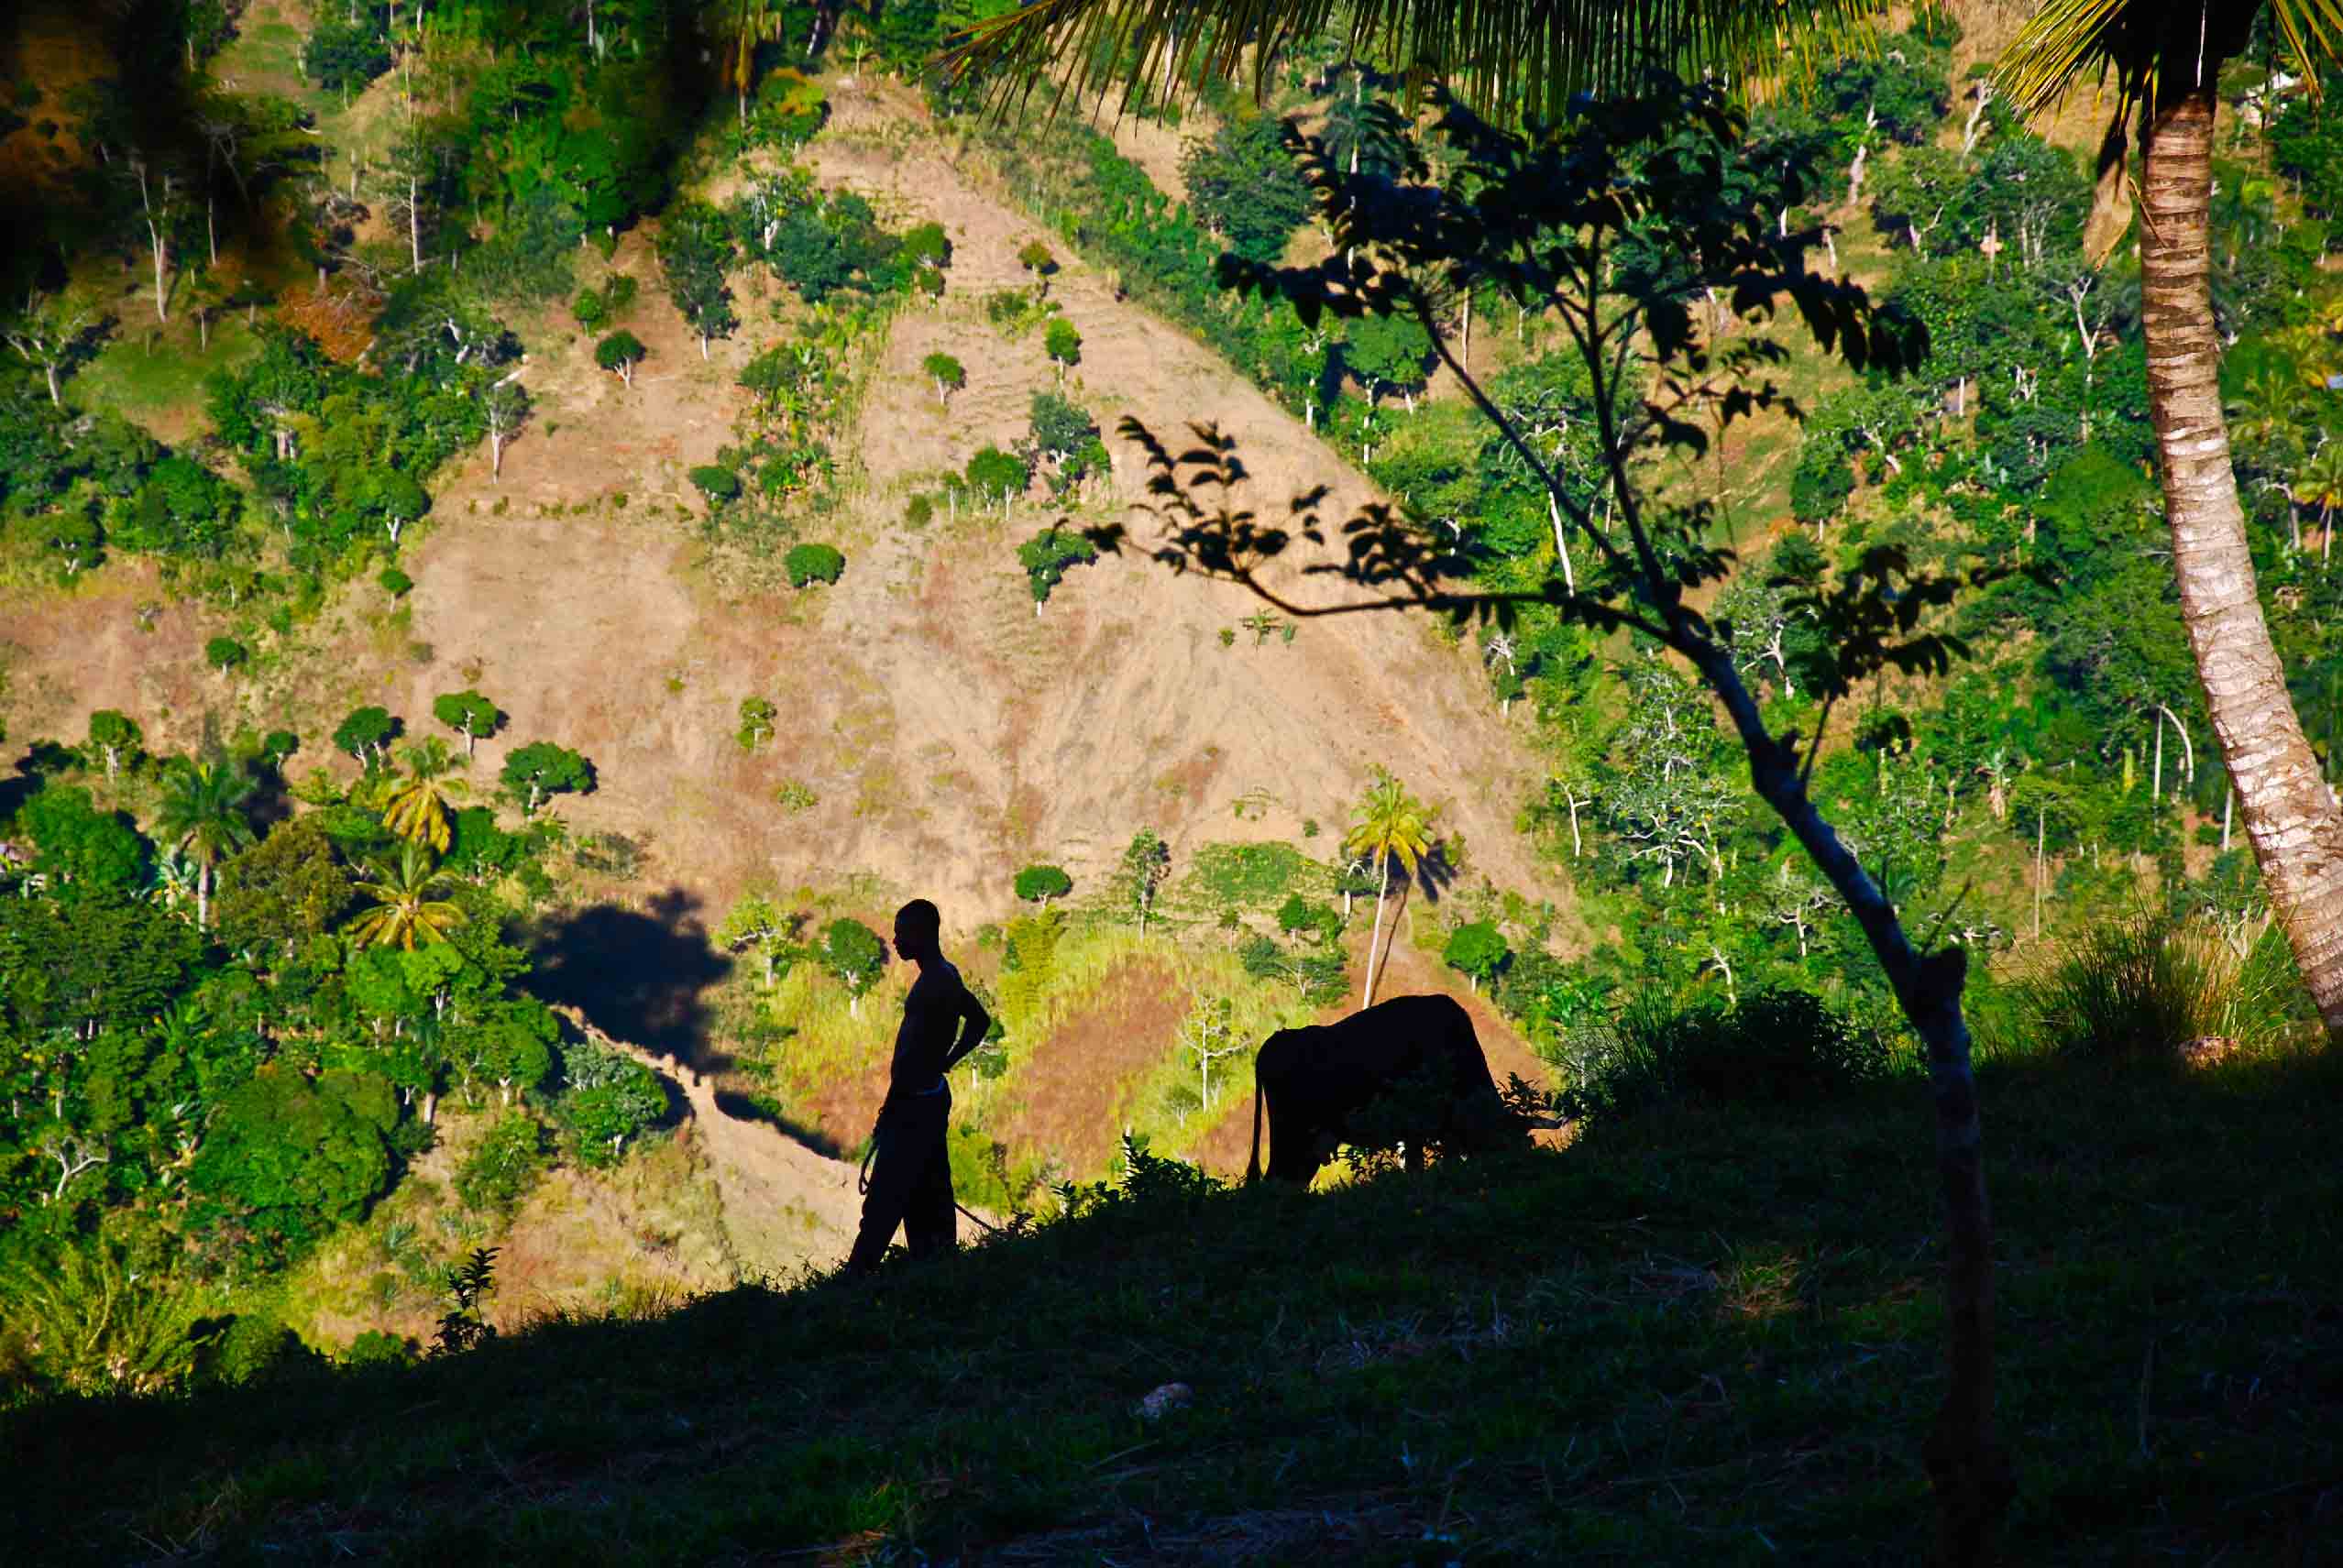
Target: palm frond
{"points": [[1510, 59], [2136, 40]]}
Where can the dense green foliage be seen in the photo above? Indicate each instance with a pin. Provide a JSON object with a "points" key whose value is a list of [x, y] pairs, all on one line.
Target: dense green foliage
{"points": [[810, 563]]}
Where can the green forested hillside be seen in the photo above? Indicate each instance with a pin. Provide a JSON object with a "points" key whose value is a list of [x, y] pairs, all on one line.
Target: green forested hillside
{"points": [[526, 529]]}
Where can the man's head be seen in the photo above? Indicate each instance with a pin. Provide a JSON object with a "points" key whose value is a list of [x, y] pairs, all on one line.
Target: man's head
{"points": [[916, 928]]}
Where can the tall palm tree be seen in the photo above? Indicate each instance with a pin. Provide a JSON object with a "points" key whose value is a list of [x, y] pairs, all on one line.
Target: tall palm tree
{"points": [[2319, 483], [418, 808], [2166, 56], [1389, 825], [201, 816], [407, 905]]}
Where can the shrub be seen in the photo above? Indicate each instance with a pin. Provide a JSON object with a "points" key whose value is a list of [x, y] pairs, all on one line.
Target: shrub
{"points": [[1478, 949], [346, 51], [997, 474], [621, 352], [376, 1348], [591, 309], [1046, 557], [948, 373], [918, 512], [810, 563], [758, 715], [1039, 885], [504, 1165], [2149, 985], [394, 582], [1777, 1047], [1140, 1179], [716, 483]]}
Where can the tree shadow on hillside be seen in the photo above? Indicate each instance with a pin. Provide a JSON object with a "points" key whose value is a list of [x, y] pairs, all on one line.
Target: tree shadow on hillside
{"points": [[639, 976], [741, 1108], [1435, 873]]}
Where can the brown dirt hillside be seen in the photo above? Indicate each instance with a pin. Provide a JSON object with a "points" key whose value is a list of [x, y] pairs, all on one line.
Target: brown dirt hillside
{"points": [[950, 733]]}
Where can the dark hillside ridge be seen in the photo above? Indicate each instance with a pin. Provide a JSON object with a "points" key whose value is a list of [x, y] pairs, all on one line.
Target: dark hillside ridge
{"points": [[1704, 1336]]}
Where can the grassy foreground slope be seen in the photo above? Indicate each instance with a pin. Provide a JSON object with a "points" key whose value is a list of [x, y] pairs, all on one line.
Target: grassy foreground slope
{"points": [[1712, 1336]]}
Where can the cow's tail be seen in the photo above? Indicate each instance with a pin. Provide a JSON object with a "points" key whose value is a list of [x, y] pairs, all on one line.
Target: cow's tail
{"points": [[1253, 1164]]}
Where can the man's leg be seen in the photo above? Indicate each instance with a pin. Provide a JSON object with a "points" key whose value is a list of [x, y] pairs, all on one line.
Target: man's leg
{"points": [[929, 1223], [895, 1173]]}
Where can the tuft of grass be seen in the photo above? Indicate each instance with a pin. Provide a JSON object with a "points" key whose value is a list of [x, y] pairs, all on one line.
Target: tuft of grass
{"points": [[2146, 986]]}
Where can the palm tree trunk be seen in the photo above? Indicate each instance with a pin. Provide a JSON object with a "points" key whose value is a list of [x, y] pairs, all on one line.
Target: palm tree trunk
{"points": [[204, 898], [2291, 818], [1374, 935]]}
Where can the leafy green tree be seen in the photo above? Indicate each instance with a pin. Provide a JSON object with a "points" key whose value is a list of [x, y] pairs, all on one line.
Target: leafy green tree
{"points": [[854, 953], [607, 1099], [347, 49], [947, 373], [1047, 556], [717, 485], [619, 353], [1065, 437], [1035, 258], [812, 563], [758, 715], [407, 903], [75, 843], [995, 473], [182, 508], [1146, 860], [758, 923], [694, 247], [57, 333], [202, 814], [542, 769], [1478, 949], [224, 654], [282, 1161], [1300, 916], [504, 1166], [284, 890], [1317, 978], [1039, 885], [366, 733], [468, 713], [1387, 351], [1063, 344], [511, 1040], [1242, 183]]}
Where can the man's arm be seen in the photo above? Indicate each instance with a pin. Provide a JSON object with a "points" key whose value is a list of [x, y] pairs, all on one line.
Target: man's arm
{"points": [[975, 1024]]}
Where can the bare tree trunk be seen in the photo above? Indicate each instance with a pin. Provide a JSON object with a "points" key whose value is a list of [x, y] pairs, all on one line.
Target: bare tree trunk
{"points": [[1561, 546], [2291, 818], [1968, 1468]]}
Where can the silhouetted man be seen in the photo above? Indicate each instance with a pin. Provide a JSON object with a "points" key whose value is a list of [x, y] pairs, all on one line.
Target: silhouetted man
{"points": [[911, 1174]]}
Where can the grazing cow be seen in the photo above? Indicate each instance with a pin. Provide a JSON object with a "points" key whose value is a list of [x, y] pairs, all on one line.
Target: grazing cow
{"points": [[1311, 1081]]}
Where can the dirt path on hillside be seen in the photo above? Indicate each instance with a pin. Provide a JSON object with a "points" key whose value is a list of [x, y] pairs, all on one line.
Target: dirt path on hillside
{"points": [[786, 1207]]}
